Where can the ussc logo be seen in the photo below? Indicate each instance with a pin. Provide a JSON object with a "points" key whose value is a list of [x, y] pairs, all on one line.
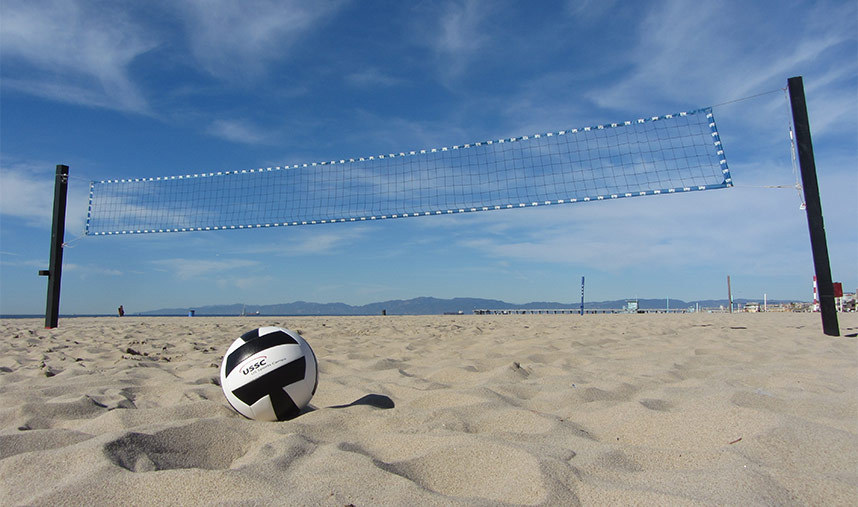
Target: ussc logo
{"points": [[260, 362]]}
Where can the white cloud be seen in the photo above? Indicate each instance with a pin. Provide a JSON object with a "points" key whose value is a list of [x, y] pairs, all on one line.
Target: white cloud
{"points": [[605, 239], [245, 282], [234, 41], [81, 270], [460, 28], [372, 78], [699, 231], [362, 291], [833, 100], [85, 270], [691, 51], [17, 262], [538, 105], [239, 131], [589, 10], [323, 242], [27, 194], [24, 196], [400, 133], [320, 240], [194, 268], [73, 51], [460, 33], [82, 52]]}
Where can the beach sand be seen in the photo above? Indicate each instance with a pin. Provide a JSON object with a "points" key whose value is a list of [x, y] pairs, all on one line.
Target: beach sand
{"points": [[438, 410]]}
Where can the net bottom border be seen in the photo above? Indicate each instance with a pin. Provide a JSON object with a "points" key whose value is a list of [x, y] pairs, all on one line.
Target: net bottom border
{"points": [[725, 184]]}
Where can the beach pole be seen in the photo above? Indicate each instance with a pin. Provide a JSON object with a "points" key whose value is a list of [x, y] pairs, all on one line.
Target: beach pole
{"points": [[55, 268], [582, 295], [729, 294], [813, 206]]}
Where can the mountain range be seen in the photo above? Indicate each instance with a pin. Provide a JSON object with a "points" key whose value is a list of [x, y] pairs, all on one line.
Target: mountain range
{"points": [[430, 306]]}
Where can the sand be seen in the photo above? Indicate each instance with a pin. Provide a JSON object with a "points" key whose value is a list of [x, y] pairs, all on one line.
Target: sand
{"points": [[438, 410]]}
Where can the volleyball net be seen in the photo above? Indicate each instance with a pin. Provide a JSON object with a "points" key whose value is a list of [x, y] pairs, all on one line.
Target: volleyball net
{"points": [[647, 156]]}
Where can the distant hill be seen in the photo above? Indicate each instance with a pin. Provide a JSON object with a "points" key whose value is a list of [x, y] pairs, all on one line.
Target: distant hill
{"points": [[429, 306]]}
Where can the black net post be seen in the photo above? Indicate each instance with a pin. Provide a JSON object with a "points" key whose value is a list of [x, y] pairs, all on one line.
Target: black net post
{"points": [[55, 270], [818, 243]]}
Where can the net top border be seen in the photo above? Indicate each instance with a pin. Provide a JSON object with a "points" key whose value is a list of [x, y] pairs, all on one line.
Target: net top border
{"points": [[638, 121]]}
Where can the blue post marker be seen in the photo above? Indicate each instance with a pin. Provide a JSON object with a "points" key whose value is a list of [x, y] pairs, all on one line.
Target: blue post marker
{"points": [[582, 295]]}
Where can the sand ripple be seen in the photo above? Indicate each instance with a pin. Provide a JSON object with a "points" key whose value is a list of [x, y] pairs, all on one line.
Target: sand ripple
{"points": [[445, 410]]}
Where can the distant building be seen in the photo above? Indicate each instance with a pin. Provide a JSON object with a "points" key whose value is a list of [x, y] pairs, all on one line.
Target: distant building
{"points": [[848, 303], [631, 306], [752, 307]]}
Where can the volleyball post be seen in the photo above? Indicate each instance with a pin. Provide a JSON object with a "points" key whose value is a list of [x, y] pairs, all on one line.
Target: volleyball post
{"points": [[58, 229], [813, 206]]}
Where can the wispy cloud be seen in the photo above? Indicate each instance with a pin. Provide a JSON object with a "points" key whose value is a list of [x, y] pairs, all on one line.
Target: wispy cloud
{"points": [[193, 268], [534, 107], [400, 133], [684, 232], [86, 270], [460, 27], [239, 131], [237, 40], [25, 197], [834, 99], [81, 270], [685, 51], [372, 78], [326, 242], [589, 9], [73, 51], [244, 282], [11, 259], [27, 192], [83, 53], [320, 240], [459, 34]]}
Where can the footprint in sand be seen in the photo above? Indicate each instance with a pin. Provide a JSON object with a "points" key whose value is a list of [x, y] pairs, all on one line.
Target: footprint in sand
{"points": [[210, 445], [656, 404]]}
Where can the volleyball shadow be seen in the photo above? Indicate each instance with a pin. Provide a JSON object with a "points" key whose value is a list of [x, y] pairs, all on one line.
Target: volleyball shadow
{"points": [[373, 400]]}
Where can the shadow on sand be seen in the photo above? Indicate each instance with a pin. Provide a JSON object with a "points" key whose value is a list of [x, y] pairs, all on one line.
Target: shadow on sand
{"points": [[373, 400]]}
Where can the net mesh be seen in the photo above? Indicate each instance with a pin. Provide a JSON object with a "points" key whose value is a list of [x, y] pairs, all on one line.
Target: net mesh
{"points": [[672, 153]]}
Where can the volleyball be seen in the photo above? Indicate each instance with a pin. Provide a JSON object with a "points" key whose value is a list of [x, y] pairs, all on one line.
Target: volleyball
{"points": [[269, 374]]}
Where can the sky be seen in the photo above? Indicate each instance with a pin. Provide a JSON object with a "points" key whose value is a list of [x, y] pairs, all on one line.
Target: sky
{"points": [[159, 88]]}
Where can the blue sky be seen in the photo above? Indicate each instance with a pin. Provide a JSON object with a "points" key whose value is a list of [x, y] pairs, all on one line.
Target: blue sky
{"points": [[134, 89]]}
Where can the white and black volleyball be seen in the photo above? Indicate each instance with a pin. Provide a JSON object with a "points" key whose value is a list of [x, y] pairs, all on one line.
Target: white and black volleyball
{"points": [[269, 374]]}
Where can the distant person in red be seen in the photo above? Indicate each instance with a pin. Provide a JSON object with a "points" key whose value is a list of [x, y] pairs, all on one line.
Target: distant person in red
{"points": [[121, 311]]}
